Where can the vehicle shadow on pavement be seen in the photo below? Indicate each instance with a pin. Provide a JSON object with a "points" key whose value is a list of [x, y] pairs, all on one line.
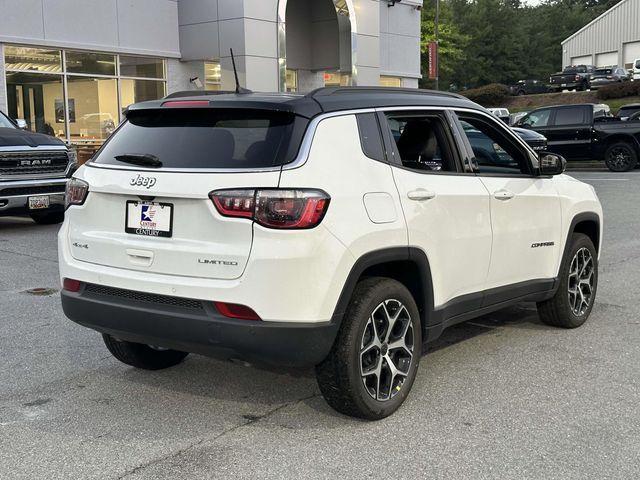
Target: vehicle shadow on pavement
{"points": [[262, 389]]}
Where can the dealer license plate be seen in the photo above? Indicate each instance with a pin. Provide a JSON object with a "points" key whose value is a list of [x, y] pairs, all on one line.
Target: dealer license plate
{"points": [[149, 219]]}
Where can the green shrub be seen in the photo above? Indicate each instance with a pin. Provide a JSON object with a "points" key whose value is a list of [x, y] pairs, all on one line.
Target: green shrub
{"points": [[492, 95], [619, 90]]}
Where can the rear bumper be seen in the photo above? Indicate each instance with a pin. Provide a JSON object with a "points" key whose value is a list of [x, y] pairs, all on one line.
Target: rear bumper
{"points": [[201, 330], [568, 85], [14, 195]]}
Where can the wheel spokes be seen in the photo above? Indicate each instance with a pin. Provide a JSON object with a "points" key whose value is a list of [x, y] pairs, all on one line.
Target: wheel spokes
{"points": [[386, 350], [581, 281]]}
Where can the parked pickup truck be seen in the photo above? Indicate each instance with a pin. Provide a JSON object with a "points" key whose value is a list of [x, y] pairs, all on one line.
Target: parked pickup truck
{"points": [[576, 77], [33, 173], [581, 132]]}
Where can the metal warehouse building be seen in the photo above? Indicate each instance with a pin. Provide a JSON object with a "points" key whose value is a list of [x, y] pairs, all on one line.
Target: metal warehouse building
{"points": [[611, 39]]}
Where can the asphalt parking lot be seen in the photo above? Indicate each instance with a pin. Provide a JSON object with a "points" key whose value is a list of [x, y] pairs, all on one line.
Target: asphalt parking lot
{"points": [[503, 396]]}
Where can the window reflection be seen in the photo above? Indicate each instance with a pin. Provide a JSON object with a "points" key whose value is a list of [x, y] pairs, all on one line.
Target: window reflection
{"points": [[134, 91], [143, 67], [87, 62], [33, 59], [93, 107], [38, 99]]}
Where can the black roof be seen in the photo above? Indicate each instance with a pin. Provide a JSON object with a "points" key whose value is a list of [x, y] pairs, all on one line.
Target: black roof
{"points": [[322, 100]]}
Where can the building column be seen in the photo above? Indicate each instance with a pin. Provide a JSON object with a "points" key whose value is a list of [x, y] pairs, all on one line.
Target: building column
{"points": [[179, 74], [367, 43], [3, 82], [251, 29]]}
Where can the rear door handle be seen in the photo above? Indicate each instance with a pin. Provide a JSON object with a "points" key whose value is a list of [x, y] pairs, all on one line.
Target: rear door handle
{"points": [[503, 195], [421, 195]]}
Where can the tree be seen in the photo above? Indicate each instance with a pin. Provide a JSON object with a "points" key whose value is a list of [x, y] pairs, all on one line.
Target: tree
{"points": [[451, 45]]}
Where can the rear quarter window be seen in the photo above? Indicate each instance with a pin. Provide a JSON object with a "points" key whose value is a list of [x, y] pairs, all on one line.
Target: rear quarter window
{"points": [[570, 116], [370, 136], [208, 138]]}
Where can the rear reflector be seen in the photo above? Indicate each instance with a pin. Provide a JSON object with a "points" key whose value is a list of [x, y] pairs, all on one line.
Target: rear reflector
{"points": [[186, 103], [233, 310], [71, 285]]}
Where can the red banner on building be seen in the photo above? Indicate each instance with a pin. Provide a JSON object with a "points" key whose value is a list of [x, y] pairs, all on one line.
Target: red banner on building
{"points": [[433, 60]]}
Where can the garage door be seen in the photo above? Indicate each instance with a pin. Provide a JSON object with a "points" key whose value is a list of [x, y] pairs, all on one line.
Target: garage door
{"points": [[608, 59], [584, 60], [630, 52]]}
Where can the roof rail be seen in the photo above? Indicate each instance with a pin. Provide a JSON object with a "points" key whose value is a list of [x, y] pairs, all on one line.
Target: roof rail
{"points": [[199, 93], [327, 91]]}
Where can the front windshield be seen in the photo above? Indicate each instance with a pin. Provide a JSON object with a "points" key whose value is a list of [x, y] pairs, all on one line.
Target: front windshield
{"points": [[5, 122]]}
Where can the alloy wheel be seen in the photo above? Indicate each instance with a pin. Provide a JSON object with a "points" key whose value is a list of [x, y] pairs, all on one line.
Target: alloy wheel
{"points": [[386, 350], [581, 280], [619, 158]]}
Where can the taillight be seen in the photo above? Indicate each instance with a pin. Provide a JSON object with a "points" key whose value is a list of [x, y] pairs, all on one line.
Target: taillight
{"points": [[233, 310], [75, 192], [274, 208], [71, 285], [234, 203], [577, 78]]}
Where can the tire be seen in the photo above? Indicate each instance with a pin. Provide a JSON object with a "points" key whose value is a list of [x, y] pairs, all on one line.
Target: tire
{"points": [[142, 356], [378, 394], [561, 311], [620, 157], [50, 218], [521, 93]]}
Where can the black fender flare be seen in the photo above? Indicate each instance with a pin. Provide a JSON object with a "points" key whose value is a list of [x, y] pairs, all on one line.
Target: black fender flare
{"points": [[414, 255], [578, 218]]}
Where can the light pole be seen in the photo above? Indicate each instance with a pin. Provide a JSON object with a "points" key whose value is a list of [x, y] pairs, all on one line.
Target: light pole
{"points": [[437, 59]]}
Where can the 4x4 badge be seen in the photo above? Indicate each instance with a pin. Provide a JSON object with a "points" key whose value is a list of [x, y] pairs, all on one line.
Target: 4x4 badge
{"points": [[140, 181]]}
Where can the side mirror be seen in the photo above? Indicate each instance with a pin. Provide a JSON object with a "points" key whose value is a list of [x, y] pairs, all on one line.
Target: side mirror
{"points": [[552, 163], [22, 124]]}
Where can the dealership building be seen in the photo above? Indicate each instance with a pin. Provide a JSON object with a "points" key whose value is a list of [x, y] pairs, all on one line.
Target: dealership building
{"points": [[611, 39], [69, 68]]}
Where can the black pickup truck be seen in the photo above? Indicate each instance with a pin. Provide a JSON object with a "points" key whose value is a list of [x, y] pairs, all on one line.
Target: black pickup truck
{"points": [[583, 132], [33, 173], [576, 77]]}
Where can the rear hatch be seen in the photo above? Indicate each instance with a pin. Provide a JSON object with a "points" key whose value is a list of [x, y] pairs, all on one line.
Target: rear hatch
{"points": [[570, 75], [148, 207]]}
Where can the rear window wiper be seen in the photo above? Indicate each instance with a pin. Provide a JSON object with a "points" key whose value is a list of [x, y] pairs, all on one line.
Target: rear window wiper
{"points": [[142, 159]]}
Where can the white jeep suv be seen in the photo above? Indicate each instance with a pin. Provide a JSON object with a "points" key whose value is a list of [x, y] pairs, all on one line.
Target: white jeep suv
{"points": [[343, 230]]}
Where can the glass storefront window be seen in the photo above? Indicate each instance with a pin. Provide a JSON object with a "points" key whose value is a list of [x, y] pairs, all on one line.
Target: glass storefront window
{"points": [[33, 59], [212, 76], [390, 81], [93, 63], [38, 99], [134, 91], [337, 79], [291, 81], [143, 67], [79, 102], [93, 107]]}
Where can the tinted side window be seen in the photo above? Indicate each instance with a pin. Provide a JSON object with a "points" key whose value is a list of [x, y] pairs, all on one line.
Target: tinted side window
{"points": [[539, 118], [493, 151], [421, 142], [570, 116], [370, 136]]}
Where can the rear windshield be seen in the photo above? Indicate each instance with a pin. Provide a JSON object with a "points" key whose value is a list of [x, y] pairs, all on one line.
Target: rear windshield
{"points": [[575, 70], [207, 138], [604, 71]]}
